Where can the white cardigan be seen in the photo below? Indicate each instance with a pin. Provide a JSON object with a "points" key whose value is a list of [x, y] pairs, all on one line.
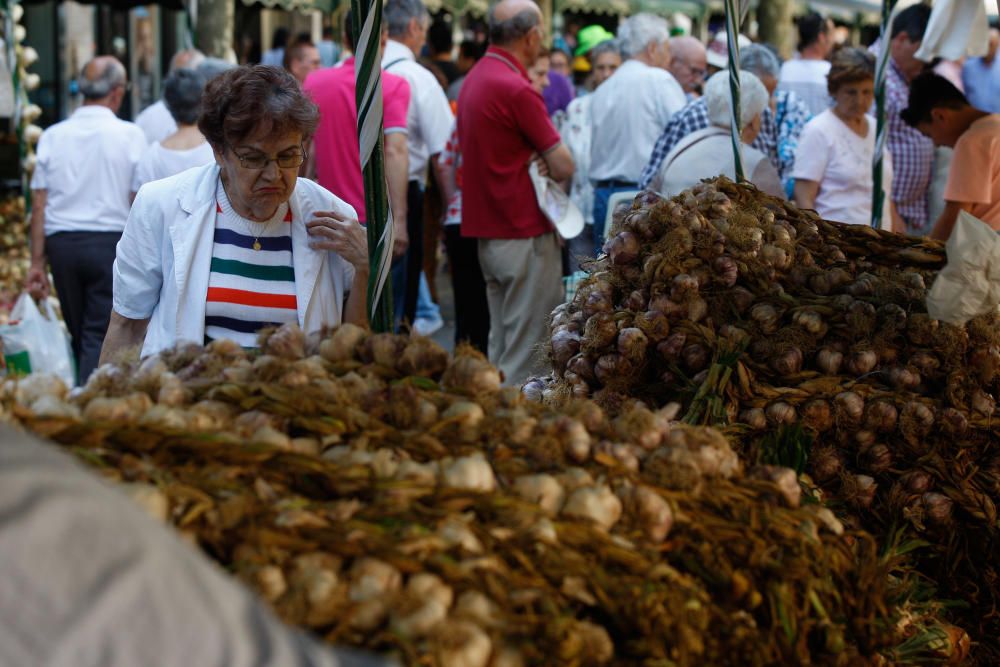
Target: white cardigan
{"points": [[164, 257]]}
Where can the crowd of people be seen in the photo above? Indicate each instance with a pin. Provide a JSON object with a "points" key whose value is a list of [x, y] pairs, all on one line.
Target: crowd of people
{"points": [[238, 200]]}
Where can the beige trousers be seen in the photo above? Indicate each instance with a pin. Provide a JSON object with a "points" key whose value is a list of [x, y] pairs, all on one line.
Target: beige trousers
{"points": [[523, 286]]}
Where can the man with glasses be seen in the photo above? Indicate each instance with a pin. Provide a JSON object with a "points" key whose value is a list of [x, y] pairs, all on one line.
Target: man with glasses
{"points": [[80, 200], [688, 64]]}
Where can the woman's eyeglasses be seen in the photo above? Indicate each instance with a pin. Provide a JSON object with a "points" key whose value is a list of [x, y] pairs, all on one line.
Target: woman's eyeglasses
{"points": [[258, 161]]}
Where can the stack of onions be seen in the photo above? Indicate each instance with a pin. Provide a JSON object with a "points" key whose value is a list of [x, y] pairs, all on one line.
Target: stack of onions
{"points": [[748, 311], [384, 494]]}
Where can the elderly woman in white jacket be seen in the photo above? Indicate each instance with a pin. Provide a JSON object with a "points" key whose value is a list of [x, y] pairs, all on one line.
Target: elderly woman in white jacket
{"points": [[224, 250], [708, 153]]}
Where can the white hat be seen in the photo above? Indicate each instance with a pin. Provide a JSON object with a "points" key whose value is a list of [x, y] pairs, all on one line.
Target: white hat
{"points": [[717, 54]]}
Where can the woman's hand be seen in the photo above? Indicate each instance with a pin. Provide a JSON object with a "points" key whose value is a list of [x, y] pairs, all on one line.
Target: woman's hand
{"points": [[345, 236]]}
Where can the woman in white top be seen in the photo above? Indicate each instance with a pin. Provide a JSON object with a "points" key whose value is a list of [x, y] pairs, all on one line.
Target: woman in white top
{"points": [[186, 147], [833, 162], [708, 153], [224, 250]]}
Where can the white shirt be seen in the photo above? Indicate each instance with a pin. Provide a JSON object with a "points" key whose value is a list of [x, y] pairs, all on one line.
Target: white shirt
{"points": [[159, 162], [86, 164], [708, 153], [156, 122], [833, 155], [629, 112], [429, 117], [163, 262], [576, 131], [807, 79]]}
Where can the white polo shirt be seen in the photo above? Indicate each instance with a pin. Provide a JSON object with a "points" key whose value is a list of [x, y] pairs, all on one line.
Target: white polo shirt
{"points": [[85, 165], [629, 112], [429, 118]]}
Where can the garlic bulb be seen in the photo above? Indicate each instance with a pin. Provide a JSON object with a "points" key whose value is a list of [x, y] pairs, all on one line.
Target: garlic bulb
{"points": [[421, 473], [462, 643], [373, 579], [469, 473], [270, 582], [543, 490], [596, 503], [316, 574], [51, 407], [455, 532], [148, 497], [424, 605], [784, 478], [655, 515], [467, 416], [475, 606]]}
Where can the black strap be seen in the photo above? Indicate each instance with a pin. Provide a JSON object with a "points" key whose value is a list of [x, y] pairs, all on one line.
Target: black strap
{"points": [[395, 62]]}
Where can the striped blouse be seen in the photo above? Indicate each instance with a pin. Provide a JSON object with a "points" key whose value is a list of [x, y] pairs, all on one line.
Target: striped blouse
{"points": [[249, 288]]}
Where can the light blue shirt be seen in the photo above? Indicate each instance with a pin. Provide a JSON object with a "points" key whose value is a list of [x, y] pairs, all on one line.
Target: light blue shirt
{"points": [[982, 84]]}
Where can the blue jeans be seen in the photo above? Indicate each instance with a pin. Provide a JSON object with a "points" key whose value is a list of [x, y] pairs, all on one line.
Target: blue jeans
{"points": [[426, 308], [601, 197]]}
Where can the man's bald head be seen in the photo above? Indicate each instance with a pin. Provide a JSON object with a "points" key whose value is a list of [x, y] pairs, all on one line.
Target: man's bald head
{"points": [[689, 62], [101, 76], [186, 59], [512, 20], [686, 46]]}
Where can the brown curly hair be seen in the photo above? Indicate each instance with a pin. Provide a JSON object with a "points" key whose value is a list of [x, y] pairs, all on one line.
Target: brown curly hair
{"points": [[850, 65], [254, 99]]}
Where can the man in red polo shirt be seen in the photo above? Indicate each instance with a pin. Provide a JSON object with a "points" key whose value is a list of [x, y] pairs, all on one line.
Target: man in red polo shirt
{"points": [[335, 147], [502, 127]]}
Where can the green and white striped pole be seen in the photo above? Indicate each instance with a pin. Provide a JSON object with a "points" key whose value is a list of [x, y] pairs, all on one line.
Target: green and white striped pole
{"points": [[881, 126], [367, 25], [733, 20]]}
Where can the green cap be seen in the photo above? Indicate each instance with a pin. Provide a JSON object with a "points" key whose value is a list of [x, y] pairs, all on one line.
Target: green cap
{"points": [[590, 37]]}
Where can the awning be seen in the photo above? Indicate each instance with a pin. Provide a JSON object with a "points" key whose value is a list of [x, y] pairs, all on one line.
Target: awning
{"points": [[296, 5], [123, 5]]}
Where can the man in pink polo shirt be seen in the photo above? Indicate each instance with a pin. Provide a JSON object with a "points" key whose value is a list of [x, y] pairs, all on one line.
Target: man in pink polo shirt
{"points": [[336, 150], [502, 127]]}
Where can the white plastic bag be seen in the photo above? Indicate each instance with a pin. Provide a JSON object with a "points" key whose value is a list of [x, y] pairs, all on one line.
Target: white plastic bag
{"points": [[34, 342], [969, 285], [556, 205]]}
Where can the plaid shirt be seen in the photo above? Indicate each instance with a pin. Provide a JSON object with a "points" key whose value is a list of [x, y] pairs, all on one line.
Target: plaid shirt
{"points": [[694, 117], [912, 156], [791, 115]]}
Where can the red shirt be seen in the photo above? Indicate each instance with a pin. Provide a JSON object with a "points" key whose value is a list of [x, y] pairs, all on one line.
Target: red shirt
{"points": [[338, 161], [502, 122]]}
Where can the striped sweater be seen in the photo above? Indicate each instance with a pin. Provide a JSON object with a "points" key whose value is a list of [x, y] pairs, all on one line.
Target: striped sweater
{"points": [[249, 289]]}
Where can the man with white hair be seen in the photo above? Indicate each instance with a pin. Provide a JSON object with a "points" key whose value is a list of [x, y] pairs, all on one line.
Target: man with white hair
{"points": [[781, 123], [688, 64], [428, 121], [155, 120], [630, 110], [80, 199], [709, 152]]}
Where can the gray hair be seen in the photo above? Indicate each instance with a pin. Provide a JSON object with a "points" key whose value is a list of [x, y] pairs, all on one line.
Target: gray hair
{"points": [[753, 98], [399, 12], [213, 67], [760, 60], [182, 94], [514, 28], [112, 76], [638, 31], [609, 46]]}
